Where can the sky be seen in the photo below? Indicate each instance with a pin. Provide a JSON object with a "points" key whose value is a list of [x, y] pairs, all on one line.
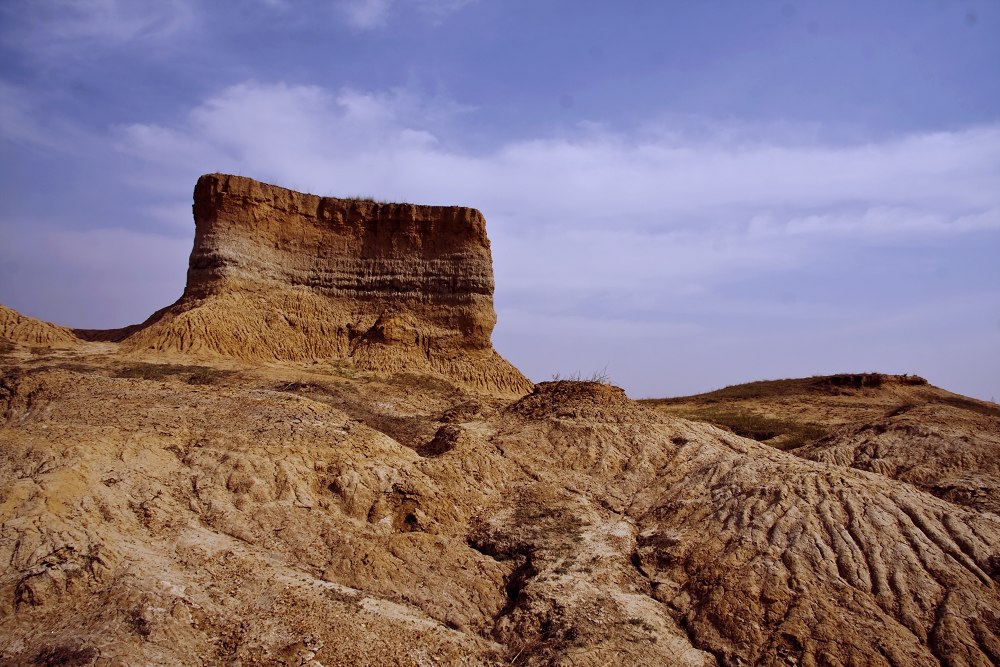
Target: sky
{"points": [[679, 195]]}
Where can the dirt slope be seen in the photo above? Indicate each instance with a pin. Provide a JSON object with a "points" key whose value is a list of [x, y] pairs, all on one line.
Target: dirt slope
{"points": [[16, 328], [188, 513], [897, 426]]}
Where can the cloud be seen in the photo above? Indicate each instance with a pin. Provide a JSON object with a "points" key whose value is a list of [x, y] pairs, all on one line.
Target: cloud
{"points": [[366, 14], [370, 14], [18, 122], [606, 242], [52, 29], [441, 8], [23, 120], [877, 222], [638, 224], [394, 145]]}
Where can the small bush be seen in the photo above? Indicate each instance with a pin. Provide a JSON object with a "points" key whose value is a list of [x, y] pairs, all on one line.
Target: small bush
{"points": [[367, 198], [600, 377]]}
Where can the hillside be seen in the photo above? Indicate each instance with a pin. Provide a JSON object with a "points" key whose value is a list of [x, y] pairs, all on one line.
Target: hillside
{"points": [[898, 426], [166, 499]]}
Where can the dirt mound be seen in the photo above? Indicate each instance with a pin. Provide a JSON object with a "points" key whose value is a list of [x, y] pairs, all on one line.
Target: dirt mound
{"points": [[382, 508], [18, 329], [574, 399], [162, 513], [951, 452]]}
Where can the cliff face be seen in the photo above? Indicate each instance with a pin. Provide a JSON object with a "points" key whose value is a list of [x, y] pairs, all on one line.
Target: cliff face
{"points": [[277, 274]]}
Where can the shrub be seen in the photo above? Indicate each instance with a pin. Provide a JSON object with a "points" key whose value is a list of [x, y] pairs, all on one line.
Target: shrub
{"points": [[600, 376]]}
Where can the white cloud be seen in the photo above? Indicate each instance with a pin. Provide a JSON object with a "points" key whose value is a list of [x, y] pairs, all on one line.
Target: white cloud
{"points": [[366, 14], [610, 241], [875, 222], [728, 190]]}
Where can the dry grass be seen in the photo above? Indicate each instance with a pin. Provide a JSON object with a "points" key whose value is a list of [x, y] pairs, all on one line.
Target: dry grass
{"points": [[600, 376], [758, 427], [367, 198], [192, 374], [820, 384]]}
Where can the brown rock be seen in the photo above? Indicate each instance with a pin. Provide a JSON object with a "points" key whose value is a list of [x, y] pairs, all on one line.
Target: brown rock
{"points": [[280, 275]]}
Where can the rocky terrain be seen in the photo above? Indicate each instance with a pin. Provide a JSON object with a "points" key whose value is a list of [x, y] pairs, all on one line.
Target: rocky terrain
{"points": [[897, 426], [315, 457]]}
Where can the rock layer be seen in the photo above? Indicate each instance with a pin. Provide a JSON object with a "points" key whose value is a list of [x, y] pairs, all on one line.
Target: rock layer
{"points": [[280, 275]]}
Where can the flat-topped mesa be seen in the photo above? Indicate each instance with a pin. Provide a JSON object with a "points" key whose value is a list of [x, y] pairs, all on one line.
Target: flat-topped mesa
{"points": [[280, 275]]}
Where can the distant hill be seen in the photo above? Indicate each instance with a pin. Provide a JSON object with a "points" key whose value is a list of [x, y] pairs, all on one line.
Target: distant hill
{"points": [[894, 425]]}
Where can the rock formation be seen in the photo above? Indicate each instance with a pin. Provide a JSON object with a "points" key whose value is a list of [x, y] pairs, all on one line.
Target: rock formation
{"points": [[170, 500], [280, 275]]}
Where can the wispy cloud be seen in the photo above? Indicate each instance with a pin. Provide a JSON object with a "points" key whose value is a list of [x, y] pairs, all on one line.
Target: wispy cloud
{"points": [[24, 120], [369, 14], [51, 29], [605, 242], [366, 14], [388, 144]]}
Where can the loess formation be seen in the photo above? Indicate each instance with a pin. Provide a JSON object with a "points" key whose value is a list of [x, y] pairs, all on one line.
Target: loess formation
{"points": [[280, 275], [316, 458]]}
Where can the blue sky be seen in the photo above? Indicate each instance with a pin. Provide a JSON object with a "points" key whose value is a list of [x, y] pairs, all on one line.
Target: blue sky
{"points": [[688, 194]]}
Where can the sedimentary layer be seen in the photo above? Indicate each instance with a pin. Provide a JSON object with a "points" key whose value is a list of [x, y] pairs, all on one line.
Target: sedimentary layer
{"points": [[280, 275]]}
